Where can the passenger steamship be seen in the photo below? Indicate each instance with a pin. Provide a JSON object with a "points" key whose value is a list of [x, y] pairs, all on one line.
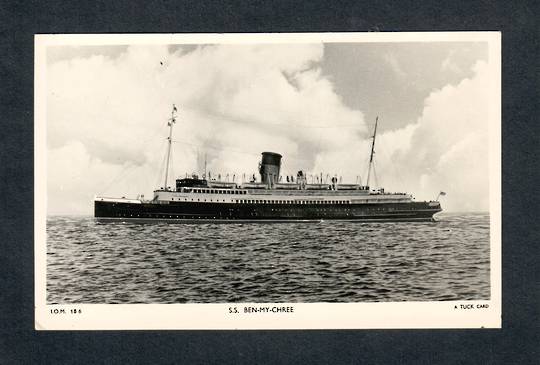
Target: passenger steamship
{"points": [[270, 199]]}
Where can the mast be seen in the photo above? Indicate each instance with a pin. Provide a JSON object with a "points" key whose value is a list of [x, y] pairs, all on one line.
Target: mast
{"points": [[372, 151], [171, 123], [204, 175]]}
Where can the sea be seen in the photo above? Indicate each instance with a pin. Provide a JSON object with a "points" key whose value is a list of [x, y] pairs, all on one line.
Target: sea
{"points": [[329, 261]]}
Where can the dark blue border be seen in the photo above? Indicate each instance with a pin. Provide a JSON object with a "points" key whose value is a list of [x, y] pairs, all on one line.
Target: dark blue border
{"points": [[517, 342]]}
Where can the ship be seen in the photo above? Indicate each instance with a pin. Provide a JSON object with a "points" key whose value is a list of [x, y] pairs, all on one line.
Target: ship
{"points": [[267, 199]]}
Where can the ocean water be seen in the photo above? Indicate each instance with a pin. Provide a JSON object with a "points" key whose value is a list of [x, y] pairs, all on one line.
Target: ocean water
{"points": [[331, 261]]}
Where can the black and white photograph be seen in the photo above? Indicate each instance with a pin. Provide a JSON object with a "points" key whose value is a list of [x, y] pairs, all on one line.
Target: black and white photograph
{"points": [[311, 180]]}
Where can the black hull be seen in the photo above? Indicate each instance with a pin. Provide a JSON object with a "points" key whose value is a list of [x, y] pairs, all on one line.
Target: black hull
{"points": [[227, 212]]}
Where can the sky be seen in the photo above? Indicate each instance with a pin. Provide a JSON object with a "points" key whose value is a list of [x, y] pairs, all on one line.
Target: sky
{"points": [[108, 107]]}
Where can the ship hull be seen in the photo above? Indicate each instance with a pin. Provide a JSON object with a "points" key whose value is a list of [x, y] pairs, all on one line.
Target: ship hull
{"points": [[225, 212]]}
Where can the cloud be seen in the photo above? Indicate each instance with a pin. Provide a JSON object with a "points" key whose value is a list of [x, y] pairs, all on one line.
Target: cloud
{"points": [[448, 64], [394, 64], [107, 124], [106, 115], [446, 149]]}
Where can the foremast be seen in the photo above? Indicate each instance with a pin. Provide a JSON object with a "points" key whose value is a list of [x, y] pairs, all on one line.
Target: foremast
{"points": [[171, 123]]}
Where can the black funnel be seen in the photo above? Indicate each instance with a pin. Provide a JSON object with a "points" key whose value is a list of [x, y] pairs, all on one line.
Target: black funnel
{"points": [[269, 168]]}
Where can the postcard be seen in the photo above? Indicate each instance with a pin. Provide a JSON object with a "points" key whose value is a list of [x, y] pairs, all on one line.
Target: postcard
{"points": [[268, 181]]}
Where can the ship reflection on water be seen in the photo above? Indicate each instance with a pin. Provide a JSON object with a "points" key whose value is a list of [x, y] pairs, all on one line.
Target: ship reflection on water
{"points": [[337, 261]]}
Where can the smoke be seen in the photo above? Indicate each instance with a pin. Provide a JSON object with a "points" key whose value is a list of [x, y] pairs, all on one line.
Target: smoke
{"points": [[107, 124]]}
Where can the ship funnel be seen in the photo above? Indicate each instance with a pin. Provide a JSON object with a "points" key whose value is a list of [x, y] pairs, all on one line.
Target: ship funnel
{"points": [[269, 168]]}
